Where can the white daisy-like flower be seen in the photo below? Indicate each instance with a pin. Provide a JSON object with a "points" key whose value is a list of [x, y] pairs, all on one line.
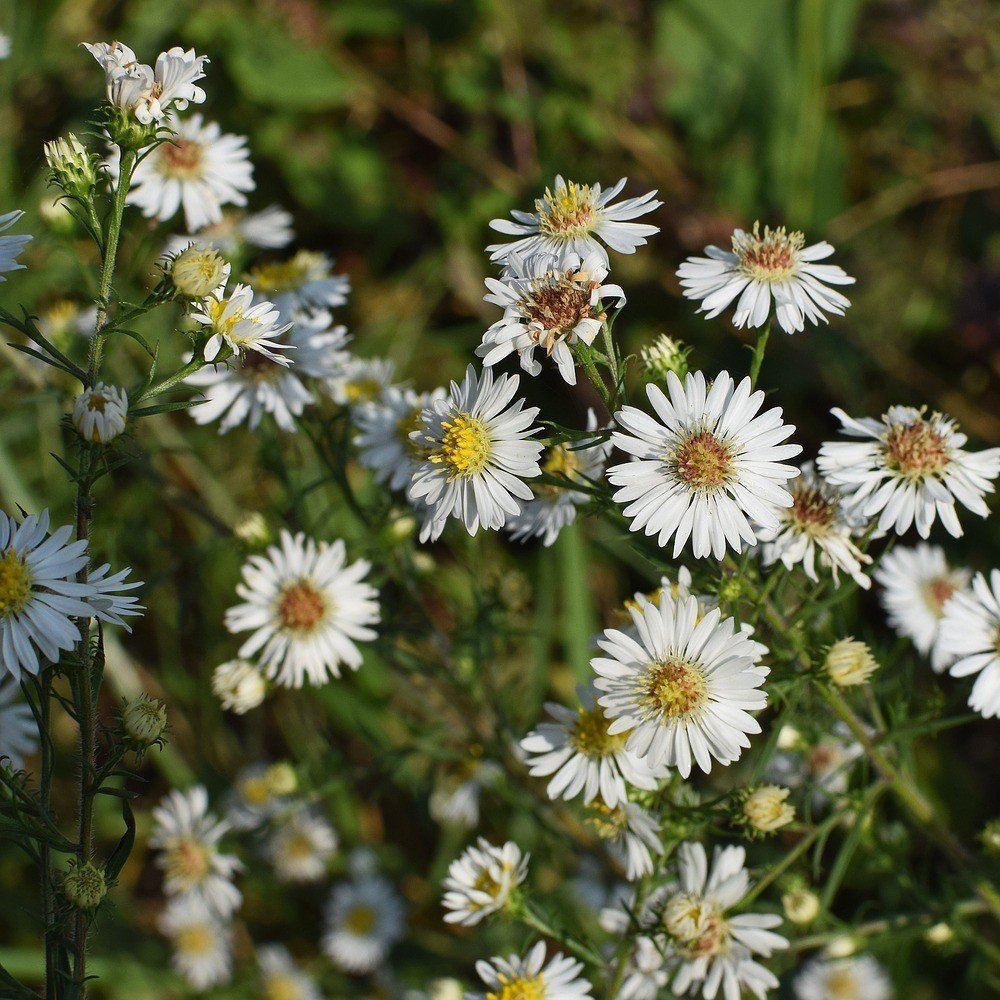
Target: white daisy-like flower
{"points": [[187, 838], [364, 919], [384, 428], [583, 758], [307, 608], [361, 381], [247, 388], [18, 732], [150, 92], [455, 798], [10, 246], [236, 320], [478, 454], [550, 305], [778, 264], [99, 413], [281, 978], [200, 169], [916, 585], [553, 507], [481, 881], [239, 685], [632, 833], [39, 593], [556, 977], [304, 281], [824, 764], [577, 218], [202, 942], [300, 846], [108, 601], [268, 229], [818, 528], [646, 973], [682, 687], [857, 977], [259, 792], [705, 467], [970, 636], [909, 469]]}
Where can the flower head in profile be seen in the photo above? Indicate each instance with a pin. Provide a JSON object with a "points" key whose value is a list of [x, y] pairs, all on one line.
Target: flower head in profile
{"points": [[681, 685], [849, 662], [580, 757], [631, 832], [577, 218], [306, 608], [239, 685], [10, 246], [761, 266], [554, 977], [970, 636], [705, 467], [300, 846], [364, 919], [99, 413], [549, 305], [186, 837], [18, 732], [281, 978], [478, 454], [857, 977], [482, 880], [916, 584], [202, 942], [304, 282], [909, 468], [235, 320]]}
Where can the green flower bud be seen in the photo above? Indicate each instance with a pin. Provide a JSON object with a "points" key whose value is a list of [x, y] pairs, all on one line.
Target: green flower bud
{"points": [[665, 355], [144, 720], [84, 886], [73, 168]]}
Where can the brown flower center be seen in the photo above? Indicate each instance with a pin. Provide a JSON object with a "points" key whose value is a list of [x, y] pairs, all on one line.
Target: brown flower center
{"points": [[674, 689], [811, 511], [916, 450], [556, 307], [182, 159], [703, 462], [301, 606], [771, 257]]}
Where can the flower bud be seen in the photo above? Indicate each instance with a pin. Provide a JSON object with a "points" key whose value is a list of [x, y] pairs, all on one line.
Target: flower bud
{"points": [[444, 989], [84, 886], [841, 947], [939, 933], [72, 166], [239, 685], [850, 663], [198, 271], [801, 906], [281, 779], [125, 130], [99, 413], [253, 530], [766, 810], [144, 720], [664, 355]]}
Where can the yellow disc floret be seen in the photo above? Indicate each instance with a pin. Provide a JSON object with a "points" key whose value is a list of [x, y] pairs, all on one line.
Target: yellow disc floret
{"points": [[15, 584], [466, 446]]}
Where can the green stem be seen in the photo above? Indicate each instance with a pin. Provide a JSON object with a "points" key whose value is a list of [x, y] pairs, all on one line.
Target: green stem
{"points": [[536, 921], [758, 353], [45, 796]]}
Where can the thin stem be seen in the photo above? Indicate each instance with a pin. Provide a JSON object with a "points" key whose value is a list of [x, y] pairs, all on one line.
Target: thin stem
{"points": [[45, 802], [535, 920], [758, 353]]}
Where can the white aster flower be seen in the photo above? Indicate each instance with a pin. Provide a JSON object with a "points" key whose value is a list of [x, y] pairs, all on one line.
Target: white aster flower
{"points": [[259, 792], [384, 428], [909, 469], [361, 381], [99, 413], [858, 977], [711, 948], [517, 978], [550, 305], [239, 685], [818, 528], [777, 264], [18, 732], [268, 229], [39, 593], [307, 608], [281, 978], [300, 846], [632, 833], [682, 687], [478, 454], [553, 507], [706, 467], [202, 942], [200, 169], [572, 218], [481, 881], [824, 764], [916, 585], [187, 838], [10, 246], [646, 973], [304, 281], [970, 635], [583, 758], [236, 320], [247, 388], [364, 919]]}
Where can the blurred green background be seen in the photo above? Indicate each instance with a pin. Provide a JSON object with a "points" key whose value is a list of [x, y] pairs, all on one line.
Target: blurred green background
{"points": [[394, 131]]}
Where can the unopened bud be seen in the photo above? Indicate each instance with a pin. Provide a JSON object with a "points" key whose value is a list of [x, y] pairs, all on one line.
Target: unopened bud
{"points": [[84, 886], [841, 947], [850, 663], [144, 720], [801, 906], [253, 530], [665, 355], [239, 685], [99, 413], [766, 810], [938, 934], [281, 779], [73, 168], [198, 271]]}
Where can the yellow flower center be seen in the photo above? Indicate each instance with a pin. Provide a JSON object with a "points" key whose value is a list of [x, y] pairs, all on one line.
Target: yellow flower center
{"points": [[842, 984], [282, 988], [561, 461], [181, 159], [15, 584], [567, 211], [519, 989], [485, 882], [771, 257], [287, 275], [362, 390], [675, 689], [590, 735], [256, 791], [699, 927], [301, 606], [608, 823], [916, 450], [361, 920], [197, 939], [703, 462], [299, 847], [466, 446], [187, 861], [220, 322], [406, 426]]}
